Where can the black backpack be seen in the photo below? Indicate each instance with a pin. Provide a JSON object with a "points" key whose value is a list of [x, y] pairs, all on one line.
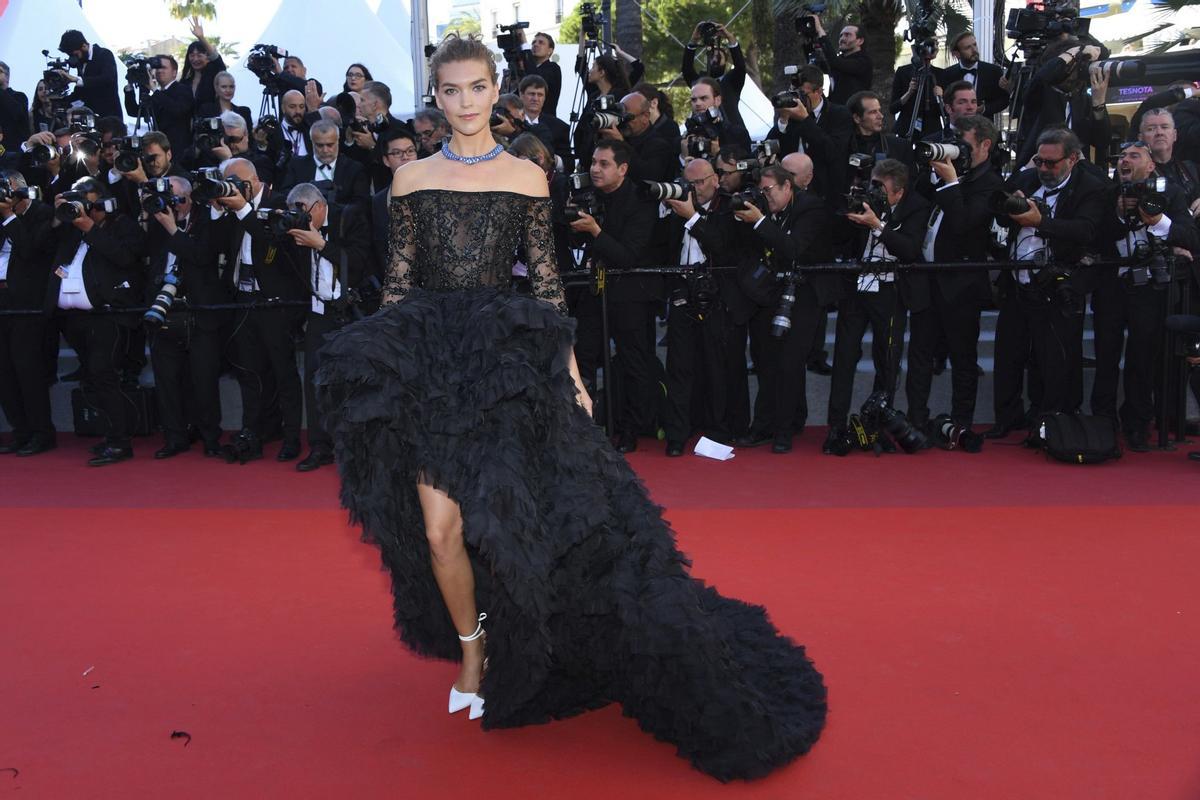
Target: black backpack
{"points": [[1078, 439]]}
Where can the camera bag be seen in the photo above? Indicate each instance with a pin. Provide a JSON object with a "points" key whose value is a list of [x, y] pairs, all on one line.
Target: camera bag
{"points": [[141, 412], [1078, 438]]}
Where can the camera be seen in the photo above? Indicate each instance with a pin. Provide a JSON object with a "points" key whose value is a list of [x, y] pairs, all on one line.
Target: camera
{"points": [[1154, 263], [1034, 28], [137, 69], [781, 323], [129, 153], [957, 153], [156, 196], [590, 23], [672, 190], [506, 39], [582, 198], [42, 154], [871, 196], [75, 205], [156, 315], [765, 151], [789, 98], [11, 195], [210, 184], [261, 60], [700, 292], [207, 133], [1001, 202], [877, 415], [704, 123], [279, 221], [752, 196], [949, 436], [56, 85], [710, 33], [1150, 194], [861, 167]]}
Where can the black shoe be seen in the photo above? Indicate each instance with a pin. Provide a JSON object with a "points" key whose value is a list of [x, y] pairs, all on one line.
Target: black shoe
{"points": [[999, 431], [674, 449], [1194, 455], [752, 439], [836, 443], [35, 446], [782, 443], [171, 450], [212, 449], [110, 455], [626, 443], [289, 451], [243, 448], [821, 367], [9, 448], [314, 460], [1137, 441], [97, 448]]}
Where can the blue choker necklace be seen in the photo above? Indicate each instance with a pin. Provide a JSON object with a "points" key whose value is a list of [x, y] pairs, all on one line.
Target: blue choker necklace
{"points": [[468, 160]]}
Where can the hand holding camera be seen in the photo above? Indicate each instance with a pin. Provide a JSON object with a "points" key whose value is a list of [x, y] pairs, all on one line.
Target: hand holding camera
{"points": [[308, 237], [585, 223], [73, 207], [1031, 217], [866, 217]]}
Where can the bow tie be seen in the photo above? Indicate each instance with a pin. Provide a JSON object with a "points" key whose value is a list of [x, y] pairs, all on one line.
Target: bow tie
{"points": [[1051, 192], [972, 70]]}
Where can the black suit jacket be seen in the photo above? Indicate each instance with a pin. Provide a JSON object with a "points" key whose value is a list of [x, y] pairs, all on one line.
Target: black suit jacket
{"points": [[626, 231], [113, 272], [14, 117], [347, 237], [903, 236], [655, 153], [213, 109], [850, 73], [1080, 212], [804, 235], [27, 234], [825, 141], [732, 81], [556, 135], [173, 109], [195, 264], [992, 99], [277, 276], [1045, 105], [931, 120], [550, 72], [349, 179], [379, 230], [721, 238], [1183, 231], [99, 89], [965, 232]]}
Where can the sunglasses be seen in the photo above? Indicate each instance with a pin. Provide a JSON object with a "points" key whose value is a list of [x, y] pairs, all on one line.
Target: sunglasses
{"points": [[1136, 143], [1038, 161]]}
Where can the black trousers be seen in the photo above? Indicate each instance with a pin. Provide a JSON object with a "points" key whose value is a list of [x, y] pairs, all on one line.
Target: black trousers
{"points": [[781, 407], [1120, 308], [954, 323], [698, 370], [885, 314], [103, 345], [263, 347], [316, 329], [584, 307], [187, 373], [24, 392], [1030, 326], [631, 323]]}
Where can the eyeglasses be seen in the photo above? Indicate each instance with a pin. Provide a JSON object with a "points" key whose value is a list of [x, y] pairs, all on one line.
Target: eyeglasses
{"points": [[355, 75], [408, 151], [425, 134], [1038, 161], [1137, 143], [235, 139]]}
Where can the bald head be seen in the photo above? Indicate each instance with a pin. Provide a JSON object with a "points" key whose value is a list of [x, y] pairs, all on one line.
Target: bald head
{"points": [[638, 108], [703, 178], [242, 169], [801, 167], [291, 105]]}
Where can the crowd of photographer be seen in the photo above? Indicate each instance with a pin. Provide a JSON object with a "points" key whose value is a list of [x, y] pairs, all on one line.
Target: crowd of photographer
{"points": [[250, 239]]}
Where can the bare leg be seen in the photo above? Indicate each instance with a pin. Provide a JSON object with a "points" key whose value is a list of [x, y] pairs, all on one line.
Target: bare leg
{"points": [[452, 571]]}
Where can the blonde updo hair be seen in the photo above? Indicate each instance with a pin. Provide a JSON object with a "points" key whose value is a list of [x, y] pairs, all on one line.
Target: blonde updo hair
{"points": [[462, 48]]}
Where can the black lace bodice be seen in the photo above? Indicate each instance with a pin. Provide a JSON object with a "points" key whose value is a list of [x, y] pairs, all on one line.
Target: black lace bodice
{"points": [[444, 240]]}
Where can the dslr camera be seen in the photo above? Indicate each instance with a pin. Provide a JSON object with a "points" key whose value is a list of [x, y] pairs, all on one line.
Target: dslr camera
{"points": [[207, 134], [1002, 203], [710, 33], [210, 184], [156, 196], [607, 112], [76, 204], [871, 196], [582, 198], [1150, 196], [750, 196], [279, 221], [129, 153], [11, 195], [703, 128], [957, 153]]}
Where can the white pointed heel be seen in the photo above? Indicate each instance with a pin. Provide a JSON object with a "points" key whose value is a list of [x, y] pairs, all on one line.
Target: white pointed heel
{"points": [[460, 700]]}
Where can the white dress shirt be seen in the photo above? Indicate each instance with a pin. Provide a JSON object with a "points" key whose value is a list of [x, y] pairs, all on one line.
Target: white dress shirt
{"points": [[324, 172], [1029, 241], [326, 287], [874, 251], [295, 138], [72, 293], [691, 253], [6, 251]]}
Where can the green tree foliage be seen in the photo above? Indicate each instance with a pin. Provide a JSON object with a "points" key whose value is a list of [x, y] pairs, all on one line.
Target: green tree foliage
{"points": [[466, 23], [191, 9]]}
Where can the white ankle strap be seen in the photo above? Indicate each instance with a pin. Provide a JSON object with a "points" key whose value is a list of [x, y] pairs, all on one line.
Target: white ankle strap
{"points": [[478, 630]]}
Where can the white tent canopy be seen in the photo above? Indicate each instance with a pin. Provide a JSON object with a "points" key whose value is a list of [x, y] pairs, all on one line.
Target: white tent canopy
{"points": [[27, 27], [351, 33]]}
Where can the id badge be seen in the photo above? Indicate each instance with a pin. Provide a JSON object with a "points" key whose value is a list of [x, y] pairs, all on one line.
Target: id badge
{"points": [[62, 272]]}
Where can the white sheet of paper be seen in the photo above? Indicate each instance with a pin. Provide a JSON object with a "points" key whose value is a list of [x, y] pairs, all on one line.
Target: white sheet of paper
{"points": [[709, 449]]}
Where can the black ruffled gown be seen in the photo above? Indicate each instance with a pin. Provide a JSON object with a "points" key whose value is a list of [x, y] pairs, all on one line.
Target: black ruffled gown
{"points": [[588, 599]]}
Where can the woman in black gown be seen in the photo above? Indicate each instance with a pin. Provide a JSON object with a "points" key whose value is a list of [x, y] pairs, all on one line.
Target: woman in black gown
{"points": [[468, 455]]}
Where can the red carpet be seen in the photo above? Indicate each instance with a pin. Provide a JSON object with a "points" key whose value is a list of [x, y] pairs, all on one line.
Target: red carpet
{"points": [[990, 626]]}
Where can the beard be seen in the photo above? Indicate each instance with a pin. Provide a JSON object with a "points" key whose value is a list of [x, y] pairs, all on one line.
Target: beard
{"points": [[1049, 179]]}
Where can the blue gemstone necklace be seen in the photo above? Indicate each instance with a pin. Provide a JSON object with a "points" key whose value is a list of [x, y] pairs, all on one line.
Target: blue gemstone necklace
{"points": [[468, 160]]}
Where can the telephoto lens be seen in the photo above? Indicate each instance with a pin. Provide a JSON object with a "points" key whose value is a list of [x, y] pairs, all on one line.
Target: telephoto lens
{"points": [[949, 436], [1001, 202], [781, 323], [156, 315], [674, 190]]}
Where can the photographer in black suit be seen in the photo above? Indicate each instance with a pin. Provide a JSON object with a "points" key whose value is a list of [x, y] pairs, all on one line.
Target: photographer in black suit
{"points": [[24, 394], [263, 348], [96, 83], [1041, 309], [237, 143], [1157, 129], [849, 67], [345, 175], [732, 80], [817, 127], [866, 110], [1058, 94], [710, 121], [14, 110], [619, 240], [97, 265], [985, 78], [537, 58], [890, 226], [335, 251], [918, 77], [555, 133], [399, 148], [655, 151], [169, 105], [795, 228], [1145, 225], [700, 233], [959, 230], [185, 346], [156, 160]]}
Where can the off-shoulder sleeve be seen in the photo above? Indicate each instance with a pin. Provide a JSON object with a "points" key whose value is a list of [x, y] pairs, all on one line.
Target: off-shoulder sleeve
{"points": [[539, 249], [402, 251]]}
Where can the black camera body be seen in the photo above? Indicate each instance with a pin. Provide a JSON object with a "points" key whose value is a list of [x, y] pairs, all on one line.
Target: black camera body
{"points": [[710, 34], [210, 184], [871, 196], [208, 133], [506, 39], [11, 195], [582, 198], [1155, 263], [700, 291], [877, 415], [75, 205], [130, 151], [750, 196], [156, 196], [56, 85], [1002, 203], [590, 23], [1150, 194], [137, 69], [279, 221], [702, 129]]}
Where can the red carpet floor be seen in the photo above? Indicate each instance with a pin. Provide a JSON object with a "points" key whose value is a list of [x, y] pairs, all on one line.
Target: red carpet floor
{"points": [[990, 626]]}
